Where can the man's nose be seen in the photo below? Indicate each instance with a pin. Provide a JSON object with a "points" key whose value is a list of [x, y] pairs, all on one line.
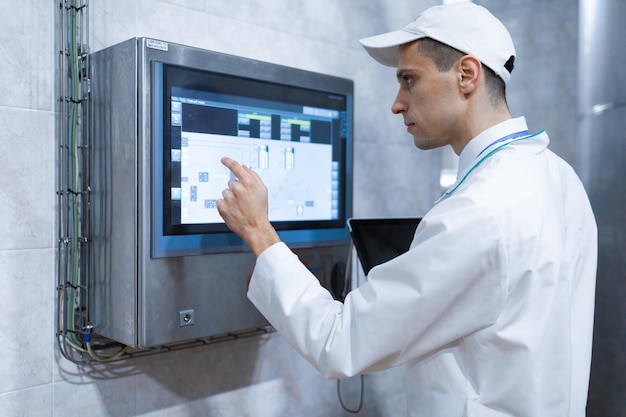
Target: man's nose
{"points": [[399, 105]]}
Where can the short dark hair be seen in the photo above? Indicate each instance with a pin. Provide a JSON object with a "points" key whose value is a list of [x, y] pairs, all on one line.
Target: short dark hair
{"points": [[445, 56]]}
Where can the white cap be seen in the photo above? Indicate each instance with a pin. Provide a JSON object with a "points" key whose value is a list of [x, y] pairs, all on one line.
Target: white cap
{"points": [[465, 26]]}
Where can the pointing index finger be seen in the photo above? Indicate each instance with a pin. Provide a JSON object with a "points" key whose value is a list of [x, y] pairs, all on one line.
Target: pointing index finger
{"points": [[229, 162], [234, 166], [242, 172]]}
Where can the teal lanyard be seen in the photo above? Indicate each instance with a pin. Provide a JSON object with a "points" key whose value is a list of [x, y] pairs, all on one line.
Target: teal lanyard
{"points": [[507, 140], [504, 139]]}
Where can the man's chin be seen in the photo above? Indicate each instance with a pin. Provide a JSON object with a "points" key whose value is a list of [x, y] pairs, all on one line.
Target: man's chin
{"points": [[425, 144]]}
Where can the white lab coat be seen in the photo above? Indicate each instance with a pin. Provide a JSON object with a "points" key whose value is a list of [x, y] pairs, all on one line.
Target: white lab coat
{"points": [[491, 310]]}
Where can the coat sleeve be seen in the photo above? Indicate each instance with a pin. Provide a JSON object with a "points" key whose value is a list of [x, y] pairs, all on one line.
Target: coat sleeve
{"points": [[451, 283]]}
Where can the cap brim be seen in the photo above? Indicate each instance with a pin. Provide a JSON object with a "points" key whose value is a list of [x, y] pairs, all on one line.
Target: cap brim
{"points": [[384, 48]]}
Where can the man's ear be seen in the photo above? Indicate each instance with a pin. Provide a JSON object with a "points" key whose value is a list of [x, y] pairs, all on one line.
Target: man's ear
{"points": [[469, 69]]}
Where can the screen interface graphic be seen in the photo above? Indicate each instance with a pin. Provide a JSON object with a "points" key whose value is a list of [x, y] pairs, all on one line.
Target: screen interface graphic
{"points": [[292, 137]]}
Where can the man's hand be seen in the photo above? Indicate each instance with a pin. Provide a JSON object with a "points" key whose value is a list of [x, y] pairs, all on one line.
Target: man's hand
{"points": [[244, 208]]}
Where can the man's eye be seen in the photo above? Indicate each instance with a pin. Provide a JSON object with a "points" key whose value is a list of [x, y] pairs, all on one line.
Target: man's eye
{"points": [[407, 80]]}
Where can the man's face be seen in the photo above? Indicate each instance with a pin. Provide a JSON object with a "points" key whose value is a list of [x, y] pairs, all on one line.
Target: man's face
{"points": [[428, 100]]}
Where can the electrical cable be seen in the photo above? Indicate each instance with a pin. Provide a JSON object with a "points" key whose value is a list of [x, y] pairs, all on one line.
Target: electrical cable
{"points": [[73, 162], [360, 400], [347, 287], [73, 330]]}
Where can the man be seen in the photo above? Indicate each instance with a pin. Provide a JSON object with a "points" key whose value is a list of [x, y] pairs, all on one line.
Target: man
{"points": [[491, 309]]}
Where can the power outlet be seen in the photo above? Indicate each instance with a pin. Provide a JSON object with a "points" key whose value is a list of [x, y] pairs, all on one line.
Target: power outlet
{"points": [[186, 318]]}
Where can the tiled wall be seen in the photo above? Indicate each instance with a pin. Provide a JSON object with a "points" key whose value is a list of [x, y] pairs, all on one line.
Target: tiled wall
{"points": [[259, 376]]}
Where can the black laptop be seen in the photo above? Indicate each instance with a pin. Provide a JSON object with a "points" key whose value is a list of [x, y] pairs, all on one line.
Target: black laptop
{"points": [[378, 240]]}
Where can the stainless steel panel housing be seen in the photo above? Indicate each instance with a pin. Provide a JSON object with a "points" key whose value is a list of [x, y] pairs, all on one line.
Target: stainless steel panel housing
{"points": [[139, 299]]}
